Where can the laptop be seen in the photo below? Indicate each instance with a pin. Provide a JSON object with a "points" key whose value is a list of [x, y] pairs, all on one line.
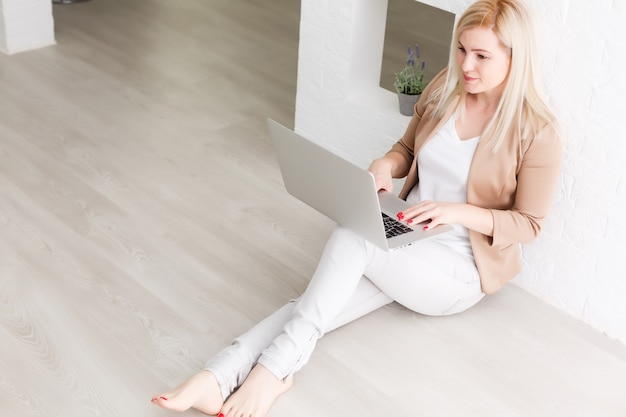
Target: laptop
{"points": [[343, 191]]}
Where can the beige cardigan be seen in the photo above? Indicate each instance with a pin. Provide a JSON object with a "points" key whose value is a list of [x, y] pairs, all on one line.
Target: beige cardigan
{"points": [[517, 187]]}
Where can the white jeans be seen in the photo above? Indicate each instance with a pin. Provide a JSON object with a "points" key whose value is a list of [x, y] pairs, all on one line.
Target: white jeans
{"points": [[353, 278]]}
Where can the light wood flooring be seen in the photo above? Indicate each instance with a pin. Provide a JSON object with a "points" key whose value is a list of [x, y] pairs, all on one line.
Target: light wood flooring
{"points": [[144, 224]]}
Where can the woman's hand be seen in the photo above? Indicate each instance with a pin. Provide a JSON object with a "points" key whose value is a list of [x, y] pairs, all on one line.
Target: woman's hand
{"points": [[392, 165], [382, 169], [472, 217], [438, 213]]}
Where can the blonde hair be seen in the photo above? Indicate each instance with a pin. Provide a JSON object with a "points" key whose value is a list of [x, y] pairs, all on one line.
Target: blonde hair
{"points": [[522, 111]]}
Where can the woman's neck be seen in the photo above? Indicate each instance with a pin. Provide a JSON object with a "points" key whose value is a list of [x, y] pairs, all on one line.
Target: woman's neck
{"points": [[482, 103]]}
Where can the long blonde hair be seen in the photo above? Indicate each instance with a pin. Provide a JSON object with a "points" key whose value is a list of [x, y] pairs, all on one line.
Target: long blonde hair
{"points": [[522, 111]]}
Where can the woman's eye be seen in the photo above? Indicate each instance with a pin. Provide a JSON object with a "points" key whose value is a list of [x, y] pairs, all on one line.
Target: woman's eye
{"points": [[482, 56], [461, 49]]}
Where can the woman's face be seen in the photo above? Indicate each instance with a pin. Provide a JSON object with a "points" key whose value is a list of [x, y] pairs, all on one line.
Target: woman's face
{"points": [[483, 60]]}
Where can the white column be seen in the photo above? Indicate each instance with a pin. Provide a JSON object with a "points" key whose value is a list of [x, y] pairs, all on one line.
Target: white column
{"points": [[25, 25]]}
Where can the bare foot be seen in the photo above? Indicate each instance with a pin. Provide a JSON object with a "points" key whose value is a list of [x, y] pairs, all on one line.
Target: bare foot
{"points": [[256, 395], [201, 392]]}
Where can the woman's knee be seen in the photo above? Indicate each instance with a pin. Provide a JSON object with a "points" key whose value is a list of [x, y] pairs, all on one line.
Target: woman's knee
{"points": [[344, 233], [344, 237]]}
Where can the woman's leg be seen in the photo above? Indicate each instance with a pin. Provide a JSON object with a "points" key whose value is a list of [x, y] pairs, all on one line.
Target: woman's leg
{"points": [[431, 281], [229, 368], [427, 280], [232, 365], [426, 277]]}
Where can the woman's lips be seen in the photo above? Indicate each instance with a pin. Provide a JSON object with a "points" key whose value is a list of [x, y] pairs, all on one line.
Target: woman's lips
{"points": [[469, 79]]}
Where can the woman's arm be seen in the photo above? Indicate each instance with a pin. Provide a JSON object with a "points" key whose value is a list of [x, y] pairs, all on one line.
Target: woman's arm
{"points": [[397, 162], [520, 222], [536, 183]]}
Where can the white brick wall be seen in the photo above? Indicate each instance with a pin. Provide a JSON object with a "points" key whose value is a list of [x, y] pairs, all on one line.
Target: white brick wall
{"points": [[25, 24], [579, 262]]}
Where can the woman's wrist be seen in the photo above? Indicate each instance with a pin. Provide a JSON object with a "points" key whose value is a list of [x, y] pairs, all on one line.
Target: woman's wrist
{"points": [[477, 219]]}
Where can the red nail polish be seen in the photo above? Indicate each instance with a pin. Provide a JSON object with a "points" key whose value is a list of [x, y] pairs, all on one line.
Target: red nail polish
{"points": [[410, 221], [163, 398], [400, 216], [220, 415], [426, 227]]}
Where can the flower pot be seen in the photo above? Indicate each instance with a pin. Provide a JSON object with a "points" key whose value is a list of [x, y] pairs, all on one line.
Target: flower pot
{"points": [[407, 102]]}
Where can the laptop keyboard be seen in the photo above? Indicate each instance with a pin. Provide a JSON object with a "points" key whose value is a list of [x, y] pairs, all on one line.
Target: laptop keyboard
{"points": [[394, 227]]}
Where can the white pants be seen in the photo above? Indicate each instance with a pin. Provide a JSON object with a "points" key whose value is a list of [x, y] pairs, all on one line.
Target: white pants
{"points": [[353, 278]]}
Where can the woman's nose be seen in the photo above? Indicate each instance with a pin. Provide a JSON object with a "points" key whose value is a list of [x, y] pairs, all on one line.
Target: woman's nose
{"points": [[466, 64]]}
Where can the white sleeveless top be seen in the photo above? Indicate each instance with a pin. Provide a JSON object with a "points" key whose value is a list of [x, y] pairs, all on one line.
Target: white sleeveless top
{"points": [[443, 168]]}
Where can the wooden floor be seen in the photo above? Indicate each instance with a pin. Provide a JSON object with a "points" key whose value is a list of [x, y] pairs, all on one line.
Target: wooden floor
{"points": [[143, 225]]}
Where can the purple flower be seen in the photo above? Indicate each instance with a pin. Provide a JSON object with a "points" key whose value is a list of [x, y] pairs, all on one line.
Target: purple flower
{"points": [[410, 62]]}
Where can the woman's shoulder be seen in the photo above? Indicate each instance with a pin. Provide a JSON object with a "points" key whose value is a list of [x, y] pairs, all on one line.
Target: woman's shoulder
{"points": [[437, 82], [546, 131], [433, 92], [545, 146]]}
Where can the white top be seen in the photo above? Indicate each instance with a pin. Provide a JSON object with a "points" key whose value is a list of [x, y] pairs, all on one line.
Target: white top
{"points": [[443, 168]]}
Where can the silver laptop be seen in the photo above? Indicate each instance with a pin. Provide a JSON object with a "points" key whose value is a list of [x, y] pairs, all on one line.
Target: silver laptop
{"points": [[342, 191]]}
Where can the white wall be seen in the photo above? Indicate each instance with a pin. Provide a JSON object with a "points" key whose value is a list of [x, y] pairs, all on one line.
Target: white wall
{"points": [[579, 262], [25, 25]]}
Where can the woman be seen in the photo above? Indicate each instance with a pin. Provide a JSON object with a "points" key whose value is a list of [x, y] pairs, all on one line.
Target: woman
{"points": [[481, 153]]}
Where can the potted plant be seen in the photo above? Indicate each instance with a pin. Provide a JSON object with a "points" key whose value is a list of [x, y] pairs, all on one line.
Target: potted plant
{"points": [[409, 83]]}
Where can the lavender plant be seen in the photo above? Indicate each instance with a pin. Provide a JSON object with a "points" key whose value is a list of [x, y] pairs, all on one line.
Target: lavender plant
{"points": [[411, 79]]}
